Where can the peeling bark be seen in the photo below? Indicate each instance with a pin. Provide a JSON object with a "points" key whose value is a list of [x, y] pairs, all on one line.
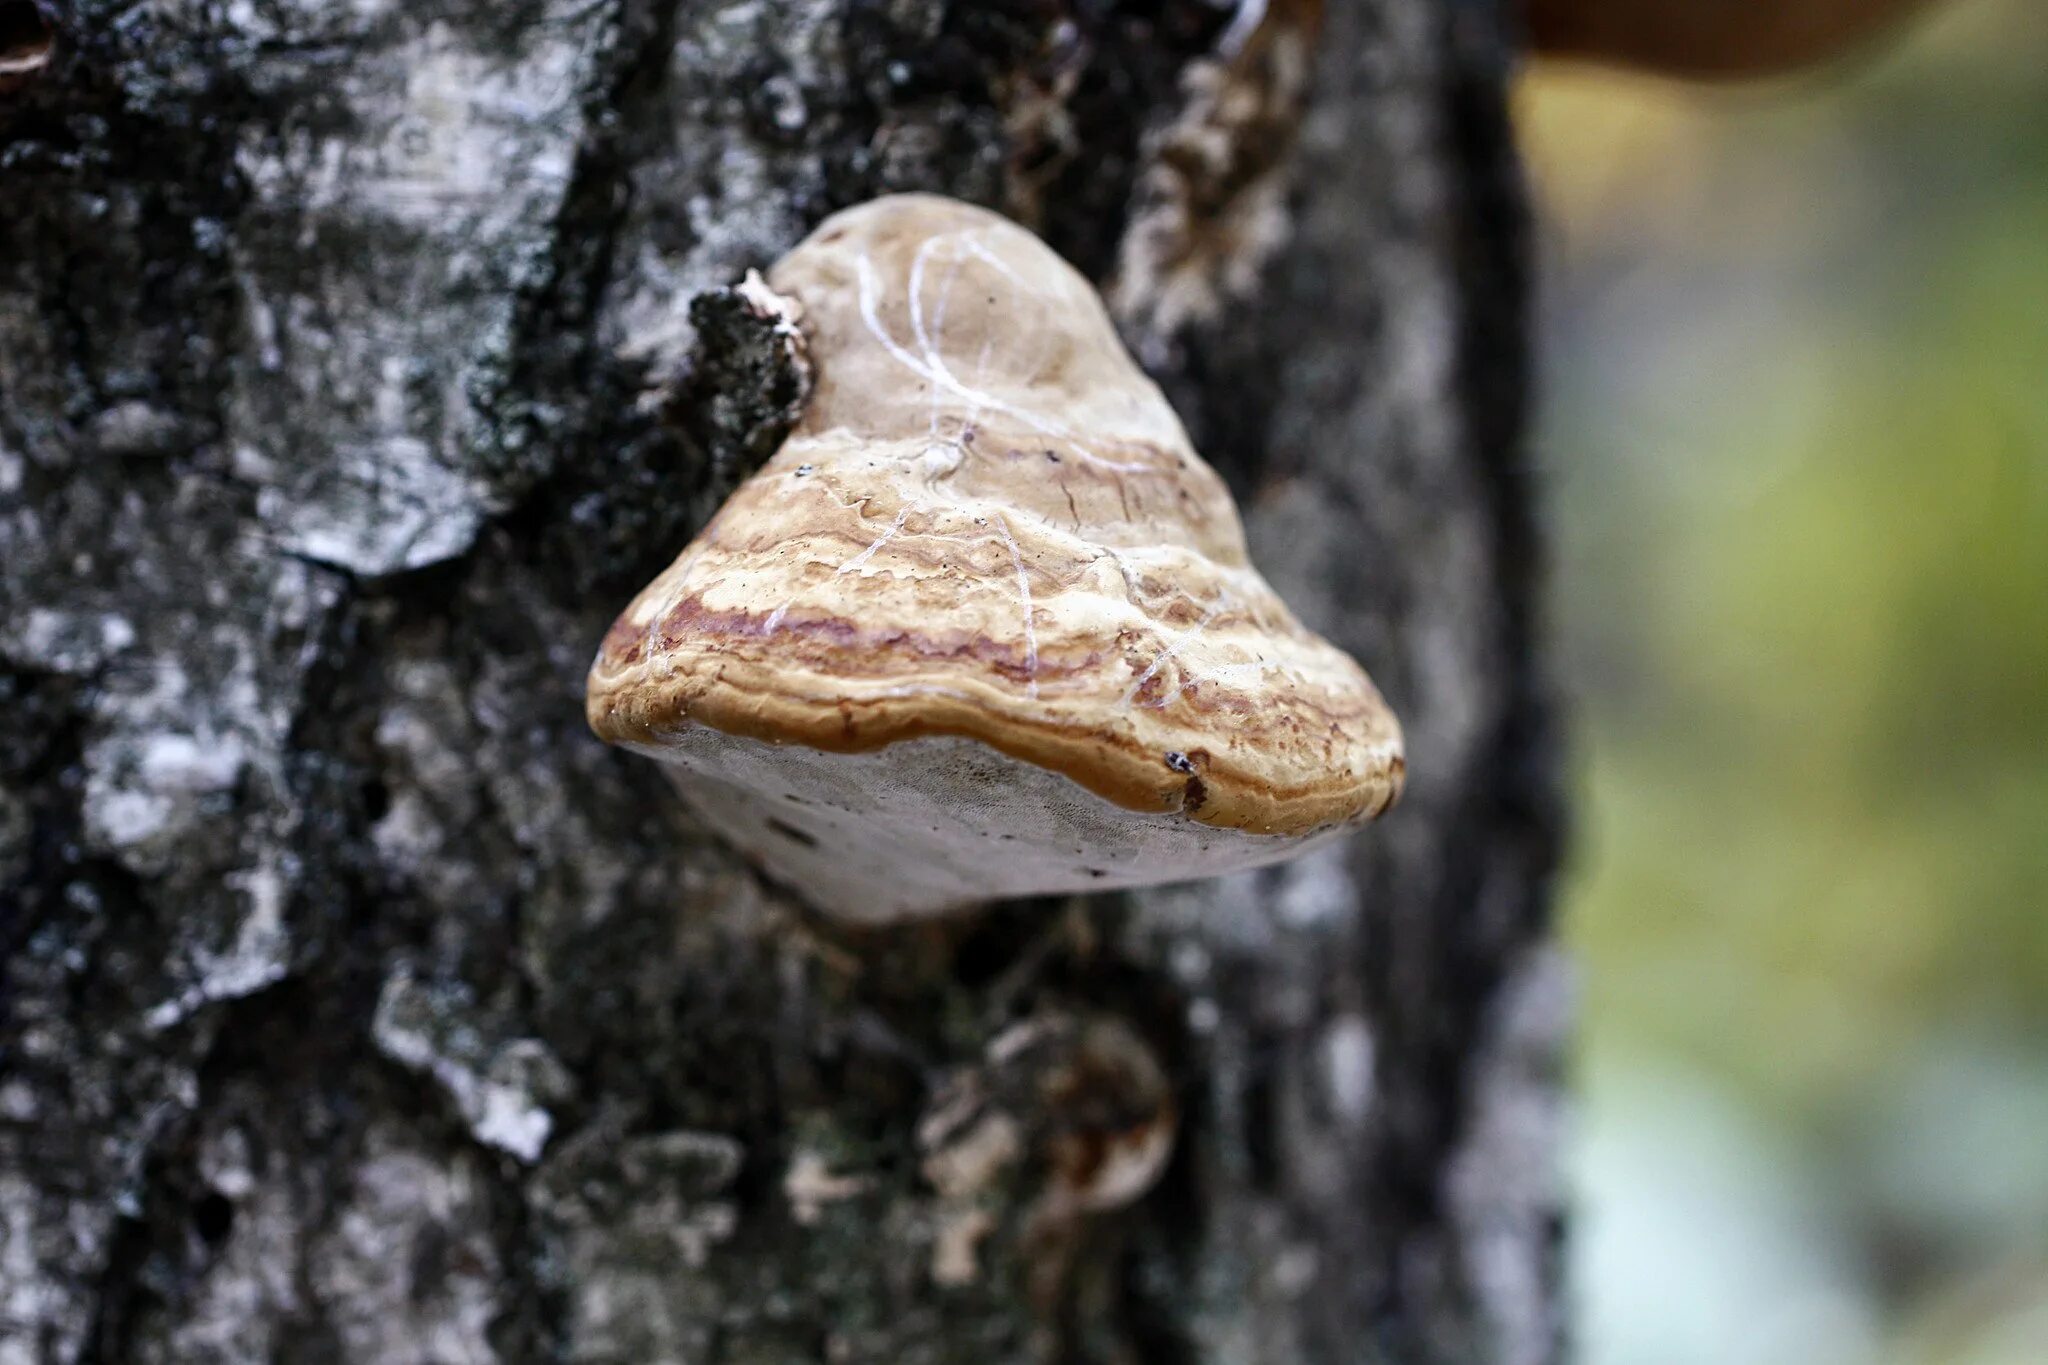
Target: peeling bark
{"points": [[356, 1005]]}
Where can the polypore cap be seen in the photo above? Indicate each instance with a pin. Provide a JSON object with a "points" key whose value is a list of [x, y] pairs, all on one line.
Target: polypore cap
{"points": [[984, 625]]}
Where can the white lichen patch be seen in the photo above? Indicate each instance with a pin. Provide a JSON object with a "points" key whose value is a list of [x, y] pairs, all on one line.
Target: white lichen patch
{"points": [[1350, 1069], [956, 1245], [258, 954], [810, 1184], [145, 794], [382, 509], [500, 1088], [403, 1204], [962, 1165], [376, 441], [31, 1291], [61, 641], [964, 1161]]}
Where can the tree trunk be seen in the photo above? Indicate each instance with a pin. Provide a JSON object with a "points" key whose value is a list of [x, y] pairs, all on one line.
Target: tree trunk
{"points": [[359, 1006]]}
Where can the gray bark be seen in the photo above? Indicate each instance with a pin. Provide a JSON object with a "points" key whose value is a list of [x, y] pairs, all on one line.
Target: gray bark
{"points": [[358, 1006]]}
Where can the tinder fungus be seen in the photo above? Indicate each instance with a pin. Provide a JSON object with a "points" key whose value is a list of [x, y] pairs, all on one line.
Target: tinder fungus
{"points": [[984, 625]]}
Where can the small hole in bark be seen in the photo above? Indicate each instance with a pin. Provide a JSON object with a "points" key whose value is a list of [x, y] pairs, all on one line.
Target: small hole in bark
{"points": [[792, 832], [25, 39], [213, 1215]]}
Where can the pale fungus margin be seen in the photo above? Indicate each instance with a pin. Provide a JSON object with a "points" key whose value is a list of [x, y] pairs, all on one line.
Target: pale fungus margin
{"points": [[984, 626]]}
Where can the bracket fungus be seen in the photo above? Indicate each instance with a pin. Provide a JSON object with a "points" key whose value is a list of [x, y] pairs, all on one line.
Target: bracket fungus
{"points": [[984, 625]]}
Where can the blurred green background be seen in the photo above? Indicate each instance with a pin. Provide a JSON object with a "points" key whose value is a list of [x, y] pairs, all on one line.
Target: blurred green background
{"points": [[1796, 439]]}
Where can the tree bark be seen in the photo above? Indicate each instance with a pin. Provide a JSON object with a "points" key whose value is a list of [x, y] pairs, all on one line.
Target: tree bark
{"points": [[359, 1006]]}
